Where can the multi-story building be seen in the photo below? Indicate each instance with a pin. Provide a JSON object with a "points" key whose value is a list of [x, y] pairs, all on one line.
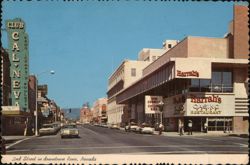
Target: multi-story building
{"points": [[150, 55], [128, 72], [17, 113], [99, 110], [5, 78], [5, 89], [199, 79], [86, 115]]}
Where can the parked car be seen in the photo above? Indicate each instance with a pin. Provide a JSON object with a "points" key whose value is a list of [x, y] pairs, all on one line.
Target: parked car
{"points": [[114, 126], [146, 128], [47, 129], [57, 126], [134, 127], [69, 130]]}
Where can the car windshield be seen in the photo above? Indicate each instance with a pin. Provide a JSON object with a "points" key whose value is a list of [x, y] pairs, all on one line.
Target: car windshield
{"points": [[47, 126], [69, 126]]}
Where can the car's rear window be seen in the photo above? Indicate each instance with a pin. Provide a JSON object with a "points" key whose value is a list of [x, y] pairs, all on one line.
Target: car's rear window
{"points": [[69, 126], [47, 126]]}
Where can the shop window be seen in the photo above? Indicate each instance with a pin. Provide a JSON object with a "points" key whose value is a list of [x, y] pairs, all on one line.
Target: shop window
{"points": [[205, 85], [195, 85]]}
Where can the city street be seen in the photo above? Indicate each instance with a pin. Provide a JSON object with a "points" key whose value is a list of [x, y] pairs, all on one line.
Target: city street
{"points": [[99, 140]]}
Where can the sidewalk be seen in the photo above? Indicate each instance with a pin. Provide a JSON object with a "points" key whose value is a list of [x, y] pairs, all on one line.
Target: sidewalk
{"points": [[210, 133], [10, 139], [243, 135]]}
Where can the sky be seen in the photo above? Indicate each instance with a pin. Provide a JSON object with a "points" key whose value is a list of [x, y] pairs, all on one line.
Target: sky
{"points": [[84, 42]]}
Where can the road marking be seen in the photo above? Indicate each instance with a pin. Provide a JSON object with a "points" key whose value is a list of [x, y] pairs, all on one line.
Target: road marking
{"points": [[19, 141]]}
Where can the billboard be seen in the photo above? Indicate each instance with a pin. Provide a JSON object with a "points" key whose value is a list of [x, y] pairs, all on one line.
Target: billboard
{"points": [[152, 104]]}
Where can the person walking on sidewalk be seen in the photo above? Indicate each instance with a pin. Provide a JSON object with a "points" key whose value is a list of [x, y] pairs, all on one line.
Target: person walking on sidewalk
{"points": [[190, 125], [181, 129], [205, 127], [160, 128]]}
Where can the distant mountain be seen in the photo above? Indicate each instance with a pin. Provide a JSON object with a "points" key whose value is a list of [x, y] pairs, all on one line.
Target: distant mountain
{"points": [[74, 114]]}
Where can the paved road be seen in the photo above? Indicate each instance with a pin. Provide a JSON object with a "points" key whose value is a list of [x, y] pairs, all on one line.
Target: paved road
{"points": [[99, 140]]}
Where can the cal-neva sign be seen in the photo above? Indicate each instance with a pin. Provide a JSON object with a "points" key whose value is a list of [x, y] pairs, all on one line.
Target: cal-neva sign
{"points": [[19, 59], [152, 104], [212, 105]]}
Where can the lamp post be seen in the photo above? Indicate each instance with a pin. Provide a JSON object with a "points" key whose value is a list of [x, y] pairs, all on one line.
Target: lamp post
{"points": [[51, 72], [160, 105]]}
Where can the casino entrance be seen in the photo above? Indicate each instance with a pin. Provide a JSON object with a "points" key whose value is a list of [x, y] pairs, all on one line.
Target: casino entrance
{"points": [[214, 123]]}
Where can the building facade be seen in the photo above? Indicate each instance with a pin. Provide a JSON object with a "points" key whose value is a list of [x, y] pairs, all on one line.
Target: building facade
{"points": [[213, 91], [124, 75], [17, 113], [99, 111], [86, 115]]}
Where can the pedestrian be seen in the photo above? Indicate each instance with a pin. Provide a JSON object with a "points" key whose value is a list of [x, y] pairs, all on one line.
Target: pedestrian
{"points": [[181, 129], [190, 125], [160, 128], [205, 127]]}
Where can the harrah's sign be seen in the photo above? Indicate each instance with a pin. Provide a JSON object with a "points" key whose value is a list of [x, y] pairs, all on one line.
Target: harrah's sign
{"points": [[208, 99], [187, 74]]}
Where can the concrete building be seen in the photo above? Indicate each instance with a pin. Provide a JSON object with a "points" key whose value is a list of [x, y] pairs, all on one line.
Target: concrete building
{"points": [[99, 110], [128, 72], [213, 91]]}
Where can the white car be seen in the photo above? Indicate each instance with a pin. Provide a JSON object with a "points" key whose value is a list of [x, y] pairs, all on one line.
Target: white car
{"points": [[147, 129], [69, 130], [134, 127], [114, 126], [47, 129]]}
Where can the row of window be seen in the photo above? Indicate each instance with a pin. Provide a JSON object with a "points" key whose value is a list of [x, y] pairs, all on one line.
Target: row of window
{"points": [[221, 81]]}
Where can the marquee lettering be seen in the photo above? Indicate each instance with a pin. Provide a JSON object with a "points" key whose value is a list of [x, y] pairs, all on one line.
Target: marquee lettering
{"points": [[16, 84], [187, 74], [209, 99], [17, 94], [15, 25], [15, 46], [15, 36], [15, 58], [16, 73]]}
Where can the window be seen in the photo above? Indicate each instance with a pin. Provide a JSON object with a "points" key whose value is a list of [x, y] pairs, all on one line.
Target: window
{"points": [[221, 81], [195, 85], [169, 46], [227, 81], [133, 72], [204, 85]]}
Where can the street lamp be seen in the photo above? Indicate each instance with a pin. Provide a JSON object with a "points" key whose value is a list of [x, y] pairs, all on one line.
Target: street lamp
{"points": [[51, 72], [160, 105]]}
